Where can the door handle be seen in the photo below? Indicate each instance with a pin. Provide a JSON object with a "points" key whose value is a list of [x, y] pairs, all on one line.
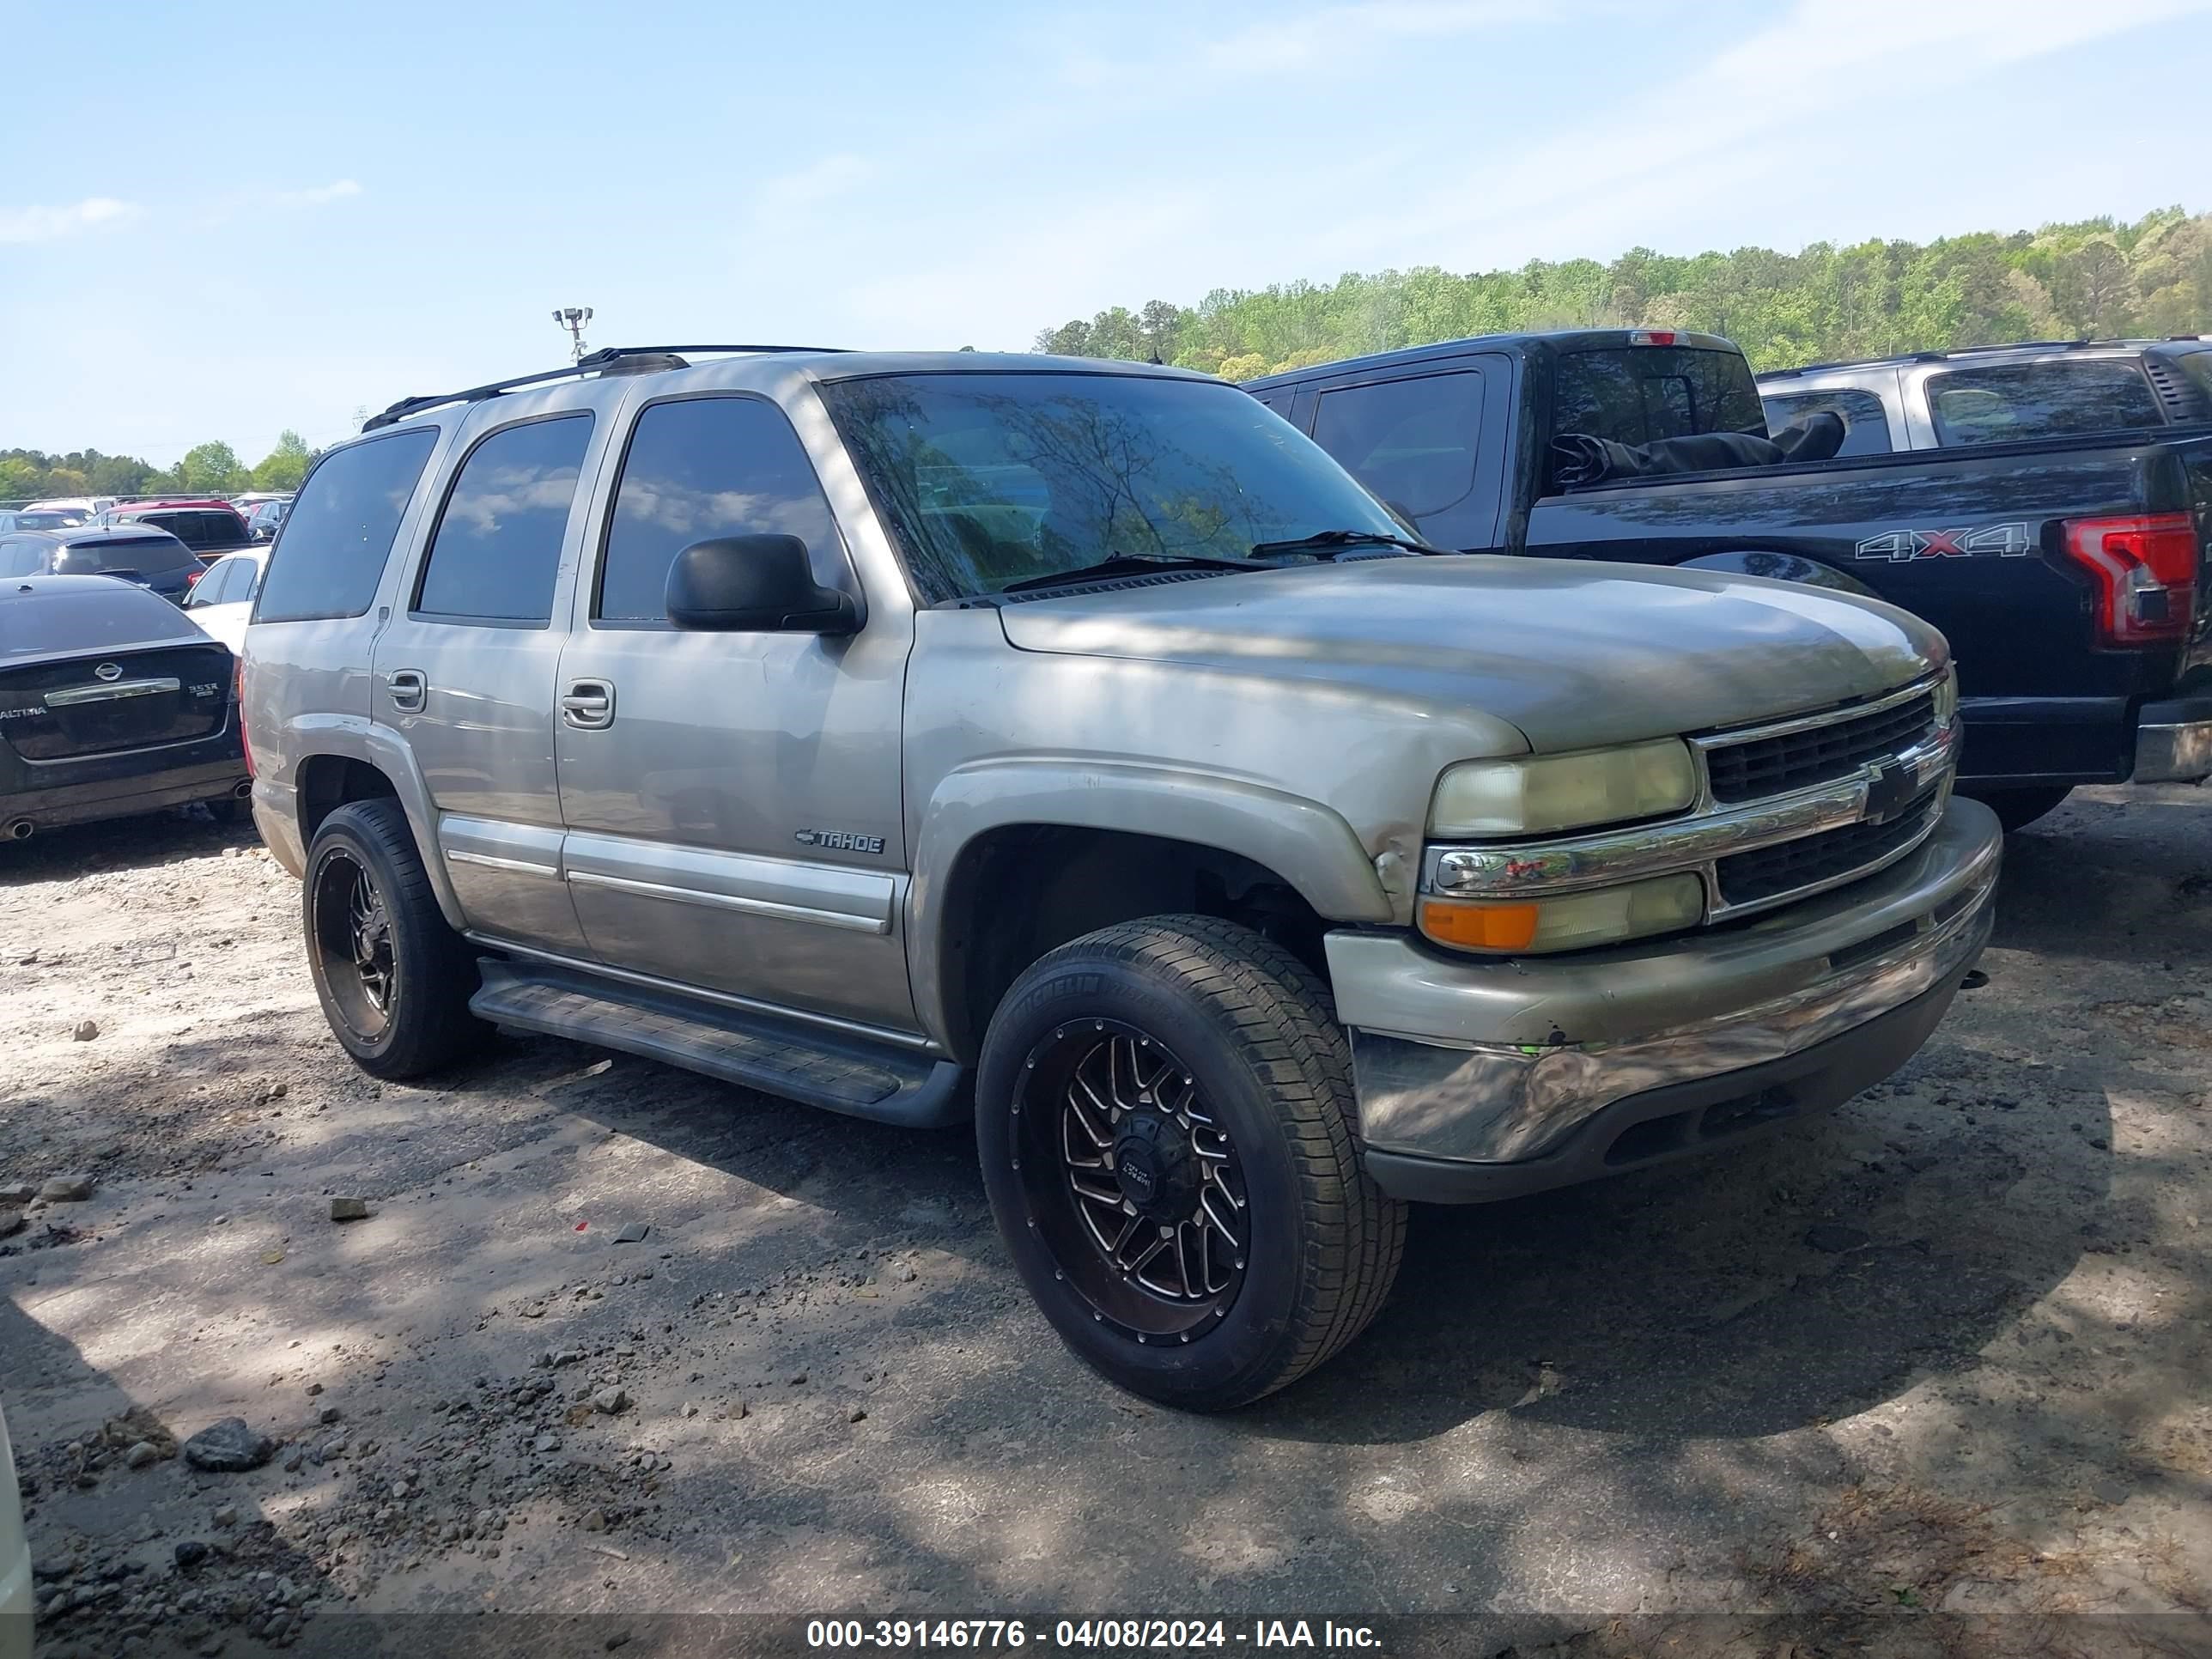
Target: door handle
{"points": [[588, 705], [407, 688]]}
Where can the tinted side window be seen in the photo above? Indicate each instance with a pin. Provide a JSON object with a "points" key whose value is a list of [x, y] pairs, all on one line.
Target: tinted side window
{"points": [[498, 547], [1866, 423], [1279, 399], [21, 556], [224, 582], [1413, 443], [341, 530], [2198, 367], [1636, 394], [2005, 402], [698, 468]]}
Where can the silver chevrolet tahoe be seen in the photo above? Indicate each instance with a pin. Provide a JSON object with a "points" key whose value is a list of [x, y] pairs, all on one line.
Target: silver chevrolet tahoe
{"points": [[1079, 746]]}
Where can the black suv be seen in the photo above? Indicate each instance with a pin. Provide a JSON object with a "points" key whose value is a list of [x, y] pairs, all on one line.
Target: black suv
{"points": [[137, 552]]}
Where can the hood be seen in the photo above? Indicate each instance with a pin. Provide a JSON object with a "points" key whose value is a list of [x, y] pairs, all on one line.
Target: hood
{"points": [[1574, 654]]}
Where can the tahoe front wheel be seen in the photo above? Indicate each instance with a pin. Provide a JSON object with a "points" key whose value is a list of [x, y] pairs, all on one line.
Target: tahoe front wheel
{"points": [[1165, 1114]]}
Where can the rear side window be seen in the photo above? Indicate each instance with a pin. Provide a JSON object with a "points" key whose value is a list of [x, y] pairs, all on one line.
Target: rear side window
{"points": [[498, 547], [21, 556], [2006, 402], [227, 582], [342, 528], [1639, 394], [703, 467], [1413, 443], [1279, 398], [1866, 423]]}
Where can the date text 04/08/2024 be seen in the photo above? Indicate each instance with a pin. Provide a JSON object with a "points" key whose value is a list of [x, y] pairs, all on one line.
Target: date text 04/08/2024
{"points": [[1102, 1634]]}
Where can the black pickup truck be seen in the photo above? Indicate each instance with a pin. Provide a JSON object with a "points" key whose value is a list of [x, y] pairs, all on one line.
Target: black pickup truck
{"points": [[2071, 574]]}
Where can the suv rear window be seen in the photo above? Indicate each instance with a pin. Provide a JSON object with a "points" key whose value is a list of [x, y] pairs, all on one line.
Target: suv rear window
{"points": [[498, 547], [144, 554], [1636, 394], [2006, 403], [341, 530]]}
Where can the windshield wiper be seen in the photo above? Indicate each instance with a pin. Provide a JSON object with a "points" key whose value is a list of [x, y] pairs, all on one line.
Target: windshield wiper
{"points": [[1327, 543], [1129, 564]]}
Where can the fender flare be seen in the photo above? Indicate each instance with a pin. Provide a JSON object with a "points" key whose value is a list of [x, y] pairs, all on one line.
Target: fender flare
{"points": [[1308, 844], [349, 737], [1781, 567]]}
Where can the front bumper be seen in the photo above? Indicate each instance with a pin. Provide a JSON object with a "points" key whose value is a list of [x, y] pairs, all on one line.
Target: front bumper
{"points": [[2173, 741], [1481, 1079]]}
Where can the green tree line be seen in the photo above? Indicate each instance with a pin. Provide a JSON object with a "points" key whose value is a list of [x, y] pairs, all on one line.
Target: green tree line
{"points": [[2098, 279], [209, 469]]}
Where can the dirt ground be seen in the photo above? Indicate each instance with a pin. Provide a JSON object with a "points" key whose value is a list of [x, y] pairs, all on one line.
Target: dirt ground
{"points": [[1930, 1376]]}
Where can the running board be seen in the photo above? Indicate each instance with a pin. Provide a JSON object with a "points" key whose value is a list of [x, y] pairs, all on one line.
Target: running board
{"points": [[840, 1075]]}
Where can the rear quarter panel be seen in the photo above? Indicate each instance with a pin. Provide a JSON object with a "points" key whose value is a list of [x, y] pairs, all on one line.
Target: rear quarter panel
{"points": [[1970, 542]]}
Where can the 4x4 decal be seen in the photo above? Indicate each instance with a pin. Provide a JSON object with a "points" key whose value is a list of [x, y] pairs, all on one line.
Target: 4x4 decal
{"points": [[2008, 541]]}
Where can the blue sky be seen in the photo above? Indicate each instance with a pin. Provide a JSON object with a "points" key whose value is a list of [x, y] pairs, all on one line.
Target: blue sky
{"points": [[218, 221]]}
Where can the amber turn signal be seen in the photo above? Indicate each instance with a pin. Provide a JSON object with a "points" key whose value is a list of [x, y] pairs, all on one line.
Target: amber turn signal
{"points": [[1480, 927]]}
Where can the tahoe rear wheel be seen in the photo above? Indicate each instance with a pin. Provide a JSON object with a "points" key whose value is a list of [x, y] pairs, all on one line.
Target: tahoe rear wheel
{"points": [[393, 978], [1164, 1112]]}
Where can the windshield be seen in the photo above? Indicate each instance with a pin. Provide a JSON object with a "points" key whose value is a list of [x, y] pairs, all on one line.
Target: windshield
{"points": [[994, 479]]}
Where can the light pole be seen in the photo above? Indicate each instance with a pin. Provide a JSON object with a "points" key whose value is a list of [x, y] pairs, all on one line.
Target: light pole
{"points": [[573, 318]]}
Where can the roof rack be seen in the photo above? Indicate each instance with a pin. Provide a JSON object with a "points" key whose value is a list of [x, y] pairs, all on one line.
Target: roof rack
{"points": [[608, 360]]}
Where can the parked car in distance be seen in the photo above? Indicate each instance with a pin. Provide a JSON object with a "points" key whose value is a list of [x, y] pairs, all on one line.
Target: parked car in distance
{"points": [[2067, 573], [15, 1595], [83, 508], [141, 553], [1072, 742], [264, 519], [112, 703], [221, 601], [2000, 393], [38, 518], [209, 528]]}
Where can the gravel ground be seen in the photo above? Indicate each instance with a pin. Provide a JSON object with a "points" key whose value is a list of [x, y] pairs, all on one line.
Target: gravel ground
{"points": [[1926, 1376]]}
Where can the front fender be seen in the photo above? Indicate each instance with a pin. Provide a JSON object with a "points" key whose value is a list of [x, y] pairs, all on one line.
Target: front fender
{"points": [[1308, 844], [1782, 567]]}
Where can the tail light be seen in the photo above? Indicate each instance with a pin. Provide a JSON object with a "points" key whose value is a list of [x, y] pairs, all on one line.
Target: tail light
{"points": [[238, 691], [2145, 571], [192, 580]]}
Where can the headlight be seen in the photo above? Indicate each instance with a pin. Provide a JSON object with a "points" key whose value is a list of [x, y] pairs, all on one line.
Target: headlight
{"points": [[1947, 697], [1572, 921], [1543, 792]]}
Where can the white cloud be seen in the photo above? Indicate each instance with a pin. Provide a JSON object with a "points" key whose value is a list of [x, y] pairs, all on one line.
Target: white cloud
{"points": [[47, 224], [336, 191], [1801, 80], [809, 186]]}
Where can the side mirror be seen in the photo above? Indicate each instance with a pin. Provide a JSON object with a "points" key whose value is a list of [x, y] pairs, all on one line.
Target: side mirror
{"points": [[265, 533], [754, 585]]}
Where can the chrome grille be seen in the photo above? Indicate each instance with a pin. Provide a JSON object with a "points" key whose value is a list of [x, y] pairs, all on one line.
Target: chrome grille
{"points": [[1825, 860], [1757, 767]]}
